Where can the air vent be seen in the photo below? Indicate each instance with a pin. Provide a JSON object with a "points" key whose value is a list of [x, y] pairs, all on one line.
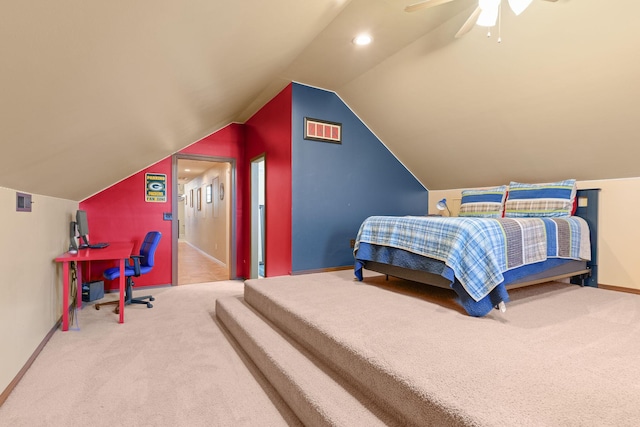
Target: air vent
{"points": [[23, 202]]}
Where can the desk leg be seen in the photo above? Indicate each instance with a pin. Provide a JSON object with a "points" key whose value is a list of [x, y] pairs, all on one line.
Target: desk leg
{"points": [[65, 296], [122, 291]]}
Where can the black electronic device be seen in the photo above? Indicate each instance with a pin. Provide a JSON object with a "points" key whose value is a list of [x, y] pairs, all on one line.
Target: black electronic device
{"points": [[83, 228], [98, 245], [92, 291], [73, 244]]}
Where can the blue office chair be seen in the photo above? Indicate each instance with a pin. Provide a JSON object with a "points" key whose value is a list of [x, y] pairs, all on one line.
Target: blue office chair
{"points": [[142, 264]]}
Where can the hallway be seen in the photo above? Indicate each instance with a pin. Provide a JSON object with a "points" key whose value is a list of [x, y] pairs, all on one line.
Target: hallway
{"points": [[195, 267]]}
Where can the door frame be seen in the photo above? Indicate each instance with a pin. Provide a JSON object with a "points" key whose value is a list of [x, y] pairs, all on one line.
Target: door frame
{"points": [[255, 215], [175, 231]]}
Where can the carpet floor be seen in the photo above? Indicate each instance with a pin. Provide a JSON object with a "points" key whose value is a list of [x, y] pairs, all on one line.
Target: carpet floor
{"points": [[171, 365], [386, 352]]}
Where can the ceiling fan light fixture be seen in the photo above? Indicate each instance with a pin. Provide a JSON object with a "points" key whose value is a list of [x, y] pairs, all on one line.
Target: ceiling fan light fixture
{"points": [[486, 14], [488, 4], [519, 6], [489, 13]]}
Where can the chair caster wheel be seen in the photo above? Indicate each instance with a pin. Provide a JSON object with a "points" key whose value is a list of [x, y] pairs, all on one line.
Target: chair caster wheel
{"points": [[149, 305], [152, 299], [97, 307], [117, 310]]}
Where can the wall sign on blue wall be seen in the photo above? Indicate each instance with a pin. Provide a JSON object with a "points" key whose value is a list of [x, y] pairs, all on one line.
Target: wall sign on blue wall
{"points": [[322, 130]]}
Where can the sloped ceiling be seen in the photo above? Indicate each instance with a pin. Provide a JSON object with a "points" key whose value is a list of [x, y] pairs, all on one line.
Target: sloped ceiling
{"points": [[92, 92]]}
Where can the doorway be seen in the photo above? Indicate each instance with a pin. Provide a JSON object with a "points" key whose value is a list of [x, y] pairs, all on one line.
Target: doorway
{"points": [[203, 219], [258, 218]]}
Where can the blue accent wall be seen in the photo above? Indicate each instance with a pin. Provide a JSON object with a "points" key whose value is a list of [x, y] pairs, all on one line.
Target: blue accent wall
{"points": [[336, 186]]}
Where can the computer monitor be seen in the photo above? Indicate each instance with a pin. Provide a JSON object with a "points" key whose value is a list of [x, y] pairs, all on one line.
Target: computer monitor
{"points": [[83, 227]]}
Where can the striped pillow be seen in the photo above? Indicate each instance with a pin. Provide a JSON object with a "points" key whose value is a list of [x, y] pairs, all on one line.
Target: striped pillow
{"points": [[540, 200], [484, 203]]}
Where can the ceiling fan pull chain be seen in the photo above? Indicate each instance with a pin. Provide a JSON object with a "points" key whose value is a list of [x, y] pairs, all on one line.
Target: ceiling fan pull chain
{"points": [[500, 23]]}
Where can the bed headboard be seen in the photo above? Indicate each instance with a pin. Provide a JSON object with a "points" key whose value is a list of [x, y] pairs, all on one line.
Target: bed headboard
{"points": [[588, 209]]}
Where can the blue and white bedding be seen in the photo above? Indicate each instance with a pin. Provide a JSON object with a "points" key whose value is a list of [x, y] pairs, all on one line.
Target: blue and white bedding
{"points": [[479, 250]]}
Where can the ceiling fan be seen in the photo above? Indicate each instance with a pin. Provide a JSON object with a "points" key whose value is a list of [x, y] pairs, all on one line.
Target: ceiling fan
{"points": [[485, 15]]}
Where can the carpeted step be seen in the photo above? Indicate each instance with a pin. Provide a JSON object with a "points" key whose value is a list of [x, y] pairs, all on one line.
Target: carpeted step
{"points": [[308, 388], [413, 349], [331, 322]]}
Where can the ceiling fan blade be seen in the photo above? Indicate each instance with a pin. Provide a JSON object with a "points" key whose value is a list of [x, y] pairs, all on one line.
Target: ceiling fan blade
{"points": [[425, 5], [519, 6], [469, 23]]}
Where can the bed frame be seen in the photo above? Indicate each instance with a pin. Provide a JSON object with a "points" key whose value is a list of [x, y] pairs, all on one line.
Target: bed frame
{"points": [[579, 272]]}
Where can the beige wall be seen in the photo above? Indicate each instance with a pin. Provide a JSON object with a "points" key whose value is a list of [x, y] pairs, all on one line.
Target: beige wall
{"points": [[618, 236], [30, 288], [208, 228], [31, 284]]}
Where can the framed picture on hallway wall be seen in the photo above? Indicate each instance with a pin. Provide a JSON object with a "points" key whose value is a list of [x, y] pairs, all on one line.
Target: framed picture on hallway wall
{"points": [[199, 198], [216, 200], [208, 193]]}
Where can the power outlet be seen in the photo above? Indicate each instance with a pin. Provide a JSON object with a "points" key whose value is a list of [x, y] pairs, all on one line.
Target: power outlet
{"points": [[352, 243]]}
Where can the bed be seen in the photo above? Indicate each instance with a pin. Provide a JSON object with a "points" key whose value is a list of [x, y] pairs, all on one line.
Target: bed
{"points": [[505, 237]]}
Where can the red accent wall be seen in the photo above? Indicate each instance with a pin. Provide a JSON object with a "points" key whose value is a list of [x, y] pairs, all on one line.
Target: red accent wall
{"points": [[268, 132], [121, 214]]}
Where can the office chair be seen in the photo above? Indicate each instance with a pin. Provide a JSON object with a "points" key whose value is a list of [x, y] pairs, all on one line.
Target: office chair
{"points": [[142, 264]]}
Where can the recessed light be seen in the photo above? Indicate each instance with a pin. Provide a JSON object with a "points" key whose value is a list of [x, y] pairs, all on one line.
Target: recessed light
{"points": [[362, 39], [187, 170]]}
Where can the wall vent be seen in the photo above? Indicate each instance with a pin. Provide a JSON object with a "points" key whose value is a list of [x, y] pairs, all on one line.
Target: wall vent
{"points": [[23, 202]]}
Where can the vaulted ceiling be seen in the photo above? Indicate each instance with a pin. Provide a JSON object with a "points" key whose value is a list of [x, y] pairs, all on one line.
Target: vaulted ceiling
{"points": [[92, 92]]}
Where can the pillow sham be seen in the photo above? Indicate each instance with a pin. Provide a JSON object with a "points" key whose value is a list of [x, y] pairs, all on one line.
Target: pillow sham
{"points": [[554, 199], [483, 203]]}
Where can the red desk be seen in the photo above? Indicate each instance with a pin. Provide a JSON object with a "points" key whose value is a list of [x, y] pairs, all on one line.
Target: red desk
{"points": [[118, 251]]}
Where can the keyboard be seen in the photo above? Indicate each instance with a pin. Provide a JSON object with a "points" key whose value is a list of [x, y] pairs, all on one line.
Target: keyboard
{"points": [[99, 245]]}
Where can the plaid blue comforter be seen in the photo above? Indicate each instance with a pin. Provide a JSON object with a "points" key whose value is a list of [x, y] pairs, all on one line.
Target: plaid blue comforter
{"points": [[480, 250]]}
